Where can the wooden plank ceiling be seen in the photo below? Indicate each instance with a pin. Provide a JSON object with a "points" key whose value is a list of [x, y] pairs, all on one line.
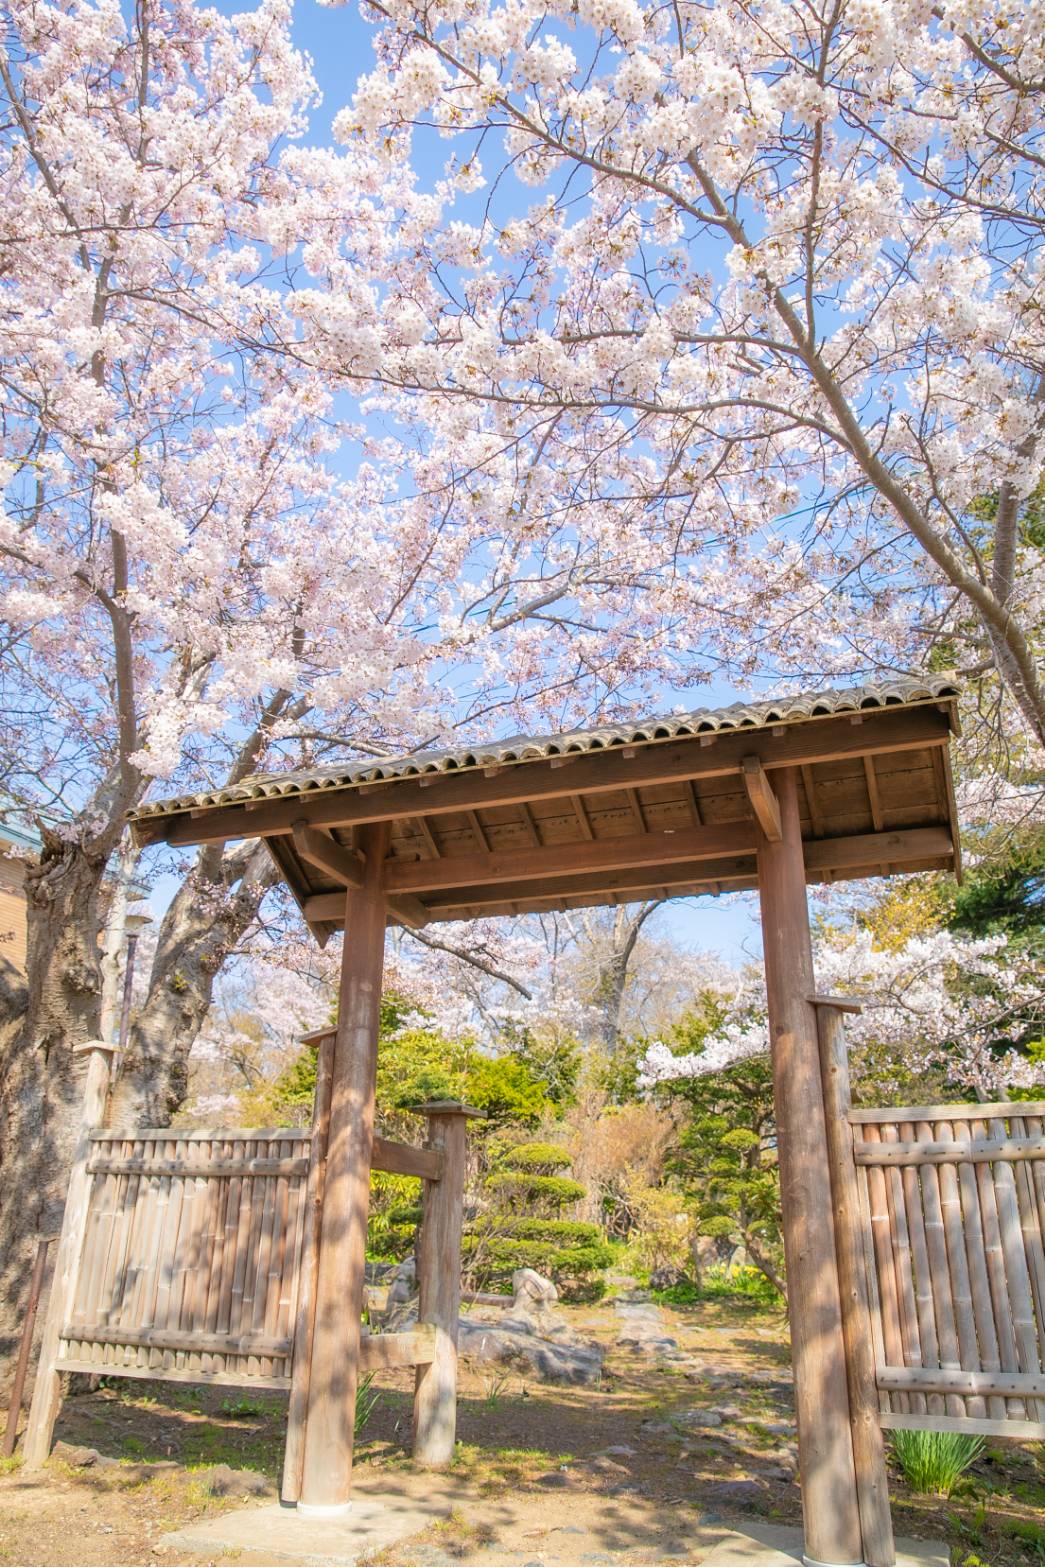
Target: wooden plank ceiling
{"points": [[669, 818]]}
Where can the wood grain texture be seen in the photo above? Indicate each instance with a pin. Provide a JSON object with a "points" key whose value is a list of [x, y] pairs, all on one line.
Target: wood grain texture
{"points": [[828, 1477]]}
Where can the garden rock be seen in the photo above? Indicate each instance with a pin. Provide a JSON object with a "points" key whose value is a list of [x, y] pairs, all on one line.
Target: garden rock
{"points": [[225, 1481], [703, 1419], [642, 1329], [515, 1343]]}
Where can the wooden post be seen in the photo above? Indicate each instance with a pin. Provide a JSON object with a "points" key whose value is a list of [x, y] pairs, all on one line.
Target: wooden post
{"points": [[825, 1448], [14, 1402], [326, 1474], [872, 1479], [439, 1285], [47, 1389], [305, 1319]]}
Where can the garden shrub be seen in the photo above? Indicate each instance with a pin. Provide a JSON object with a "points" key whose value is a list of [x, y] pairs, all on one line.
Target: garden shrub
{"points": [[523, 1226]]}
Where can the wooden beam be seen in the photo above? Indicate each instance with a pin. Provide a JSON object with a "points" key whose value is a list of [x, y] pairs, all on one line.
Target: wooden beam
{"points": [[428, 835], [872, 1478], [583, 822], [319, 849], [816, 740], [760, 794], [439, 1289], [401, 1159], [839, 856], [873, 848], [873, 797], [389, 1351], [404, 910], [816, 818], [663, 848], [478, 831]]}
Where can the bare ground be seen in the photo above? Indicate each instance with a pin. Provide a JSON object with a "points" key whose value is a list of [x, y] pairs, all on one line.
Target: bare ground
{"points": [[702, 1441]]}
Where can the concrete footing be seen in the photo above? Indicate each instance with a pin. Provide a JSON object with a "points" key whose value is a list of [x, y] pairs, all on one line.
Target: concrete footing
{"points": [[369, 1525], [766, 1545]]}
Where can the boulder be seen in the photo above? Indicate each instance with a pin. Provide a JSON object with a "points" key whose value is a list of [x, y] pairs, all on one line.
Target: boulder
{"points": [[515, 1344]]}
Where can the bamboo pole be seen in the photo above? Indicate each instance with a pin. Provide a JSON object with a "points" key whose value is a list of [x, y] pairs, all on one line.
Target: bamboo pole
{"points": [[872, 1479], [47, 1390], [825, 1448], [439, 1285], [334, 1373]]}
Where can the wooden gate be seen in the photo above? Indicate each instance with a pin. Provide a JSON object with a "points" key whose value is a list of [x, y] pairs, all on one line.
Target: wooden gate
{"points": [[190, 1256], [953, 1200]]}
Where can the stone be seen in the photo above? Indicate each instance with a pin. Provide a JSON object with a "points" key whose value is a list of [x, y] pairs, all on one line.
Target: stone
{"points": [[516, 1344], [225, 1481], [776, 1427], [703, 1419], [530, 1286], [622, 1450], [642, 1328], [737, 1493], [77, 1457]]}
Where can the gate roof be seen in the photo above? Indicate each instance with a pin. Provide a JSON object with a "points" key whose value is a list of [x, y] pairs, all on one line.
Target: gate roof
{"points": [[666, 806]]}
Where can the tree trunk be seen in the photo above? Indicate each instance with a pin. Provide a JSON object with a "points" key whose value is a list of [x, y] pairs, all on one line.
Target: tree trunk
{"points": [[214, 907], [40, 1079]]}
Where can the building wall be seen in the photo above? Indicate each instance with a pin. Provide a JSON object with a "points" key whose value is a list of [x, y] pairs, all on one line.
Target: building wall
{"points": [[12, 912]]}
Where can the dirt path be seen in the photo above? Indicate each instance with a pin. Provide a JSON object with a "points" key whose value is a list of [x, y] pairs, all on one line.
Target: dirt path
{"points": [[642, 1469]]}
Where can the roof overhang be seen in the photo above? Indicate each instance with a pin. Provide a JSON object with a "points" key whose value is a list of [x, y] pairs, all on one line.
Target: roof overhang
{"points": [[667, 807]]}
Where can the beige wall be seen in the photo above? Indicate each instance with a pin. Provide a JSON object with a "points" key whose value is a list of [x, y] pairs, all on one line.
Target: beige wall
{"points": [[12, 912]]}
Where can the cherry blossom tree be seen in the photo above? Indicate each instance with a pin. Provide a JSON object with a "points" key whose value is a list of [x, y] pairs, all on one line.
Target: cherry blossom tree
{"points": [[760, 278], [211, 560]]}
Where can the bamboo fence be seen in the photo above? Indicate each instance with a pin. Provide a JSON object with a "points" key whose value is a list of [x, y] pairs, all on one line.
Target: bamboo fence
{"points": [[953, 1200]]}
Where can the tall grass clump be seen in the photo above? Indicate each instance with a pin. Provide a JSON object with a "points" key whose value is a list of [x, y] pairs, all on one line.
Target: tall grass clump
{"points": [[934, 1461]]}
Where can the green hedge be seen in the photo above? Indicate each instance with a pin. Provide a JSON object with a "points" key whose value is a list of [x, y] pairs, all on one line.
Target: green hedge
{"points": [[552, 1191], [543, 1157]]}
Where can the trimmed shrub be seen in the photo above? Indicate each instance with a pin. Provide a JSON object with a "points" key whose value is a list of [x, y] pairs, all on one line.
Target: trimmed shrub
{"points": [[523, 1226]]}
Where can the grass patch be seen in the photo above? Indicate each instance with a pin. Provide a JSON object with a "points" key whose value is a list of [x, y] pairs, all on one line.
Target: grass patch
{"points": [[933, 1462]]}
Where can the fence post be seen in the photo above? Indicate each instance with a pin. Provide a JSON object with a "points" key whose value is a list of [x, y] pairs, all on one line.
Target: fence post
{"points": [[872, 1481], [47, 1389], [439, 1284]]}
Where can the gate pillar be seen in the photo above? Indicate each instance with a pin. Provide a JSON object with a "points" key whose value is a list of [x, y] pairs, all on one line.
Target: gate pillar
{"points": [[825, 1448], [333, 1375]]}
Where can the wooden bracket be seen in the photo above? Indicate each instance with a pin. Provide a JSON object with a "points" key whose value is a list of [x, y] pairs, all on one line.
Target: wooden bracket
{"points": [[763, 801], [345, 865], [408, 911], [840, 1003]]}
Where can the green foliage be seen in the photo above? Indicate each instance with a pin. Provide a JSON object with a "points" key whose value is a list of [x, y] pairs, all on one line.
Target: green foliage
{"points": [[1003, 892], [725, 1156], [540, 1156], [506, 1088], [367, 1399], [522, 1227], [722, 1283], [550, 1191], [934, 1461]]}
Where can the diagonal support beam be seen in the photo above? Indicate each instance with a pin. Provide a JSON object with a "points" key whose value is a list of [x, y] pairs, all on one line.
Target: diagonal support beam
{"points": [[319, 849], [764, 802]]}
